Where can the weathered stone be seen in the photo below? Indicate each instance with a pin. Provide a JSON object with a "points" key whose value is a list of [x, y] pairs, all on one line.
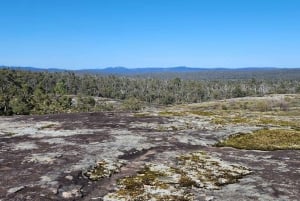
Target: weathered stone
{"points": [[51, 161], [15, 189]]}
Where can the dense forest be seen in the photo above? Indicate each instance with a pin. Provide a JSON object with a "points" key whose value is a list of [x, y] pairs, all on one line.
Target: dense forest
{"points": [[27, 92]]}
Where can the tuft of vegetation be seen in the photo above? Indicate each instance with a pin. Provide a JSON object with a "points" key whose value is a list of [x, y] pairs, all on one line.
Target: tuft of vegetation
{"points": [[134, 186], [186, 181], [171, 113], [202, 113], [276, 122], [264, 139], [132, 104], [102, 169], [9, 133], [46, 126], [219, 121]]}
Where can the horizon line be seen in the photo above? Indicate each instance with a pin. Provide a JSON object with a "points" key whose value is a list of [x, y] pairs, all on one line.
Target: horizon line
{"points": [[143, 67]]}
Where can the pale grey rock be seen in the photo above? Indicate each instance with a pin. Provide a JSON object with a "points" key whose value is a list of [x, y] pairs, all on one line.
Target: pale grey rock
{"points": [[15, 189]]}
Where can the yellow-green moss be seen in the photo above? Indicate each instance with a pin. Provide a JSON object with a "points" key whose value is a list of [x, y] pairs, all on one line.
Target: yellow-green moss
{"points": [[171, 113], [97, 172], [264, 139], [278, 122], [173, 198], [201, 113], [210, 172], [134, 185], [140, 114], [102, 169], [219, 121], [239, 120]]}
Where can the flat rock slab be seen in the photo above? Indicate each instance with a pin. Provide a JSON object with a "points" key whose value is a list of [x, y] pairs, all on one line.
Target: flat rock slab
{"points": [[47, 157]]}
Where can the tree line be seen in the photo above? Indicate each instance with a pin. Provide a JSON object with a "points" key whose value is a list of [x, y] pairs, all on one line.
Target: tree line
{"points": [[27, 92]]}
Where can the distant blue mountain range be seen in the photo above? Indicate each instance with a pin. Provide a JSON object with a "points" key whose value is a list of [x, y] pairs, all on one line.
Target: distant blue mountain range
{"points": [[126, 71]]}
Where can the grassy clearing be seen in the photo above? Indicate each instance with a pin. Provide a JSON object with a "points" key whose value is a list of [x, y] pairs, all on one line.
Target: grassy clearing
{"points": [[265, 139]]}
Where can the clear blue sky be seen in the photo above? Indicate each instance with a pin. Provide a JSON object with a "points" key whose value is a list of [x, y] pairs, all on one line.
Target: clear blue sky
{"points": [[149, 33]]}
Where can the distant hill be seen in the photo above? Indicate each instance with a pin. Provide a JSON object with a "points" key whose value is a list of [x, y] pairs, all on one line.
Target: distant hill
{"points": [[126, 71], [182, 72], [134, 71], [34, 69], [155, 70]]}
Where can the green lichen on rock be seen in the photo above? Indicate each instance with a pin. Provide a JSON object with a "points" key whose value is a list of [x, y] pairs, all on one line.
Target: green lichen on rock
{"points": [[208, 172], [162, 182], [104, 168], [153, 182]]}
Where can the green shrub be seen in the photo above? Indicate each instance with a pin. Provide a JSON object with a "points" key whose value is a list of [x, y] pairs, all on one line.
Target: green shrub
{"points": [[132, 104]]}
